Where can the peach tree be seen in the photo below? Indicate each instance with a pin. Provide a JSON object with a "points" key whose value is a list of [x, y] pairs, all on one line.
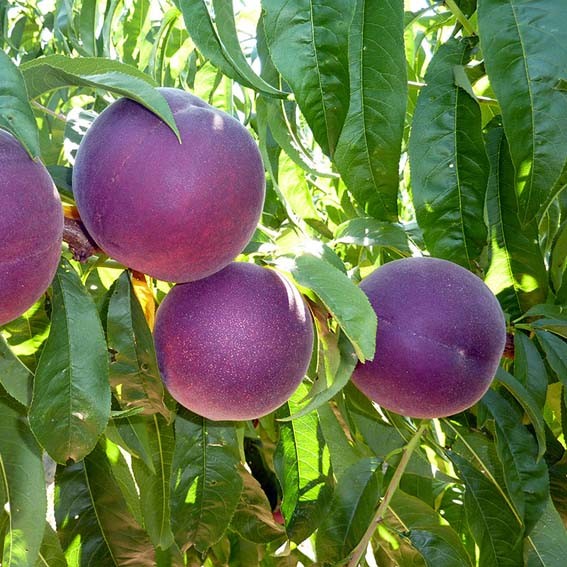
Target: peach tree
{"points": [[191, 193]]}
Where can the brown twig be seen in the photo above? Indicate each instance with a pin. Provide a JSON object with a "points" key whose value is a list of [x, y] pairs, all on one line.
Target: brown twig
{"points": [[79, 240]]}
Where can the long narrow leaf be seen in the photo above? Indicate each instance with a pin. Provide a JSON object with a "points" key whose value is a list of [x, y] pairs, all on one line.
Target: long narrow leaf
{"points": [[524, 45], [449, 166], [368, 150], [308, 42], [71, 394]]}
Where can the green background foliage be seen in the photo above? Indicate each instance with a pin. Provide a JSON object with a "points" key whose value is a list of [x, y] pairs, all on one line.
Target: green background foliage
{"points": [[387, 129]]}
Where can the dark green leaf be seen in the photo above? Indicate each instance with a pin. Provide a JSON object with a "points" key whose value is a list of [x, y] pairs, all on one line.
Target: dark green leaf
{"points": [[428, 532], [449, 167], [555, 350], [529, 368], [23, 486], [516, 273], [308, 42], [50, 554], [352, 508], [558, 260], [528, 403], [55, 71], [371, 232], [15, 377], [77, 525], [525, 52], [154, 482], [16, 114], [127, 542], [62, 177], [368, 150], [493, 525], [302, 466], [134, 372], [71, 394], [253, 518], [207, 484], [547, 544], [526, 477], [343, 299]]}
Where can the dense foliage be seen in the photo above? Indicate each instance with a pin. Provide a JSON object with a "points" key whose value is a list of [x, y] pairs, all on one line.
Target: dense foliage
{"points": [[386, 131]]}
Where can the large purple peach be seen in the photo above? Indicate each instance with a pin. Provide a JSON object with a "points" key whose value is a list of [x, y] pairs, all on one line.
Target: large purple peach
{"points": [[441, 333], [178, 212], [235, 345], [31, 229]]}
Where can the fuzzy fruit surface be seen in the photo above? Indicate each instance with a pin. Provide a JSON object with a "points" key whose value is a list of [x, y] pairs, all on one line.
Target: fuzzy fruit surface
{"points": [[31, 229], [236, 345], [178, 212], [441, 333]]}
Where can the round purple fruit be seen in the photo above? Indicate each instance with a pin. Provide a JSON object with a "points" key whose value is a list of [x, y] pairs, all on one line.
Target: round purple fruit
{"points": [[178, 212], [441, 333], [235, 345], [31, 229]]}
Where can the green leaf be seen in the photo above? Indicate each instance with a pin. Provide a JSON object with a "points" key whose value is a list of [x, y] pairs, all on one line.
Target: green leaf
{"points": [[343, 453], [134, 373], [558, 259], [15, 377], [525, 52], [449, 166], [372, 232], [526, 477], [231, 44], [62, 177], [555, 350], [302, 466], [429, 532], [50, 553], [71, 395], [308, 42], [516, 272], [347, 303], [23, 486], [87, 27], [27, 334], [207, 483], [492, 523], [529, 368], [220, 44], [154, 482], [253, 519], [547, 544], [368, 150], [55, 71], [77, 525], [528, 403], [127, 542], [16, 114], [352, 508], [335, 382]]}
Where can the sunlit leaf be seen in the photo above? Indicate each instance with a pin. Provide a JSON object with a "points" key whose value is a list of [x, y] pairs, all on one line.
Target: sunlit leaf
{"points": [[16, 114], [449, 166], [368, 150]]}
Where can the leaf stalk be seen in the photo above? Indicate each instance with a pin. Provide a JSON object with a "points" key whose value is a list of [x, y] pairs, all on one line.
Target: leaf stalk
{"points": [[390, 491]]}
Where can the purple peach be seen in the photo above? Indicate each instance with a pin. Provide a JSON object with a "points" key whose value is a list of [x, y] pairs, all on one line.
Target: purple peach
{"points": [[178, 212], [31, 229], [441, 333], [235, 345]]}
